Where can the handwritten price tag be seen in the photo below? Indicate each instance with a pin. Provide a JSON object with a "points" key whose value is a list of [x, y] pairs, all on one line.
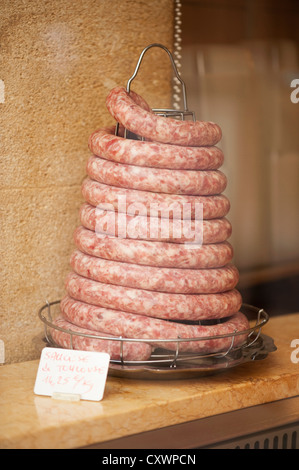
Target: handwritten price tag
{"points": [[68, 372]]}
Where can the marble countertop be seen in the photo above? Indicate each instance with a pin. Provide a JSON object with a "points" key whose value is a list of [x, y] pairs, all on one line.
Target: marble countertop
{"points": [[131, 406]]}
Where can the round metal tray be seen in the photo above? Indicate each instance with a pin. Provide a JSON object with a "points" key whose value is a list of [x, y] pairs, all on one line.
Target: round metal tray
{"points": [[165, 364], [195, 367]]}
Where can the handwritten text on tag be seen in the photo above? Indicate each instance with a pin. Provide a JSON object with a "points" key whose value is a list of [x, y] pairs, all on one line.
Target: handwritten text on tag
{"points": [[71, 371]]}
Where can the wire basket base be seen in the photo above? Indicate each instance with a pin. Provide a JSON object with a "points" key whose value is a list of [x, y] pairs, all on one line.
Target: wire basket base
{"points": [[197, 367], [166, 364]]}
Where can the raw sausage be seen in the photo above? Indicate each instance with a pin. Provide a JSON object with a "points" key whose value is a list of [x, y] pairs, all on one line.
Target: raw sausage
{"points": [[179, 281], [150, 253], [143, 327], [140, 101], [143, 283], [203, 183], [151, 303], [154, 228], [130, 351], [145, 202], [159, 128], [104, 143]]}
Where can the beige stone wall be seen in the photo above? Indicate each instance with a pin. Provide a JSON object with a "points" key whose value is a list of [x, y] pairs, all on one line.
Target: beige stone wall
{"points": [[59, 59]]}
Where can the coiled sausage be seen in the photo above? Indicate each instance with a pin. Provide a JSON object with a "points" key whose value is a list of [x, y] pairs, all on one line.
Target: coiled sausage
{"points": [[116, 323], [151, 303], [159, 128]]}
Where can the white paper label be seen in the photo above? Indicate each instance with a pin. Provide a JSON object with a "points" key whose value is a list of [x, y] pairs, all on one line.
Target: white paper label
{"points": [[72, 372]]}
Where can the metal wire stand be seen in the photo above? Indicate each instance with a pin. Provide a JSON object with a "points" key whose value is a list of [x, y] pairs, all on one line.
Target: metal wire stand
{"points": [[181, 114], [256, 346], [165, 363]]}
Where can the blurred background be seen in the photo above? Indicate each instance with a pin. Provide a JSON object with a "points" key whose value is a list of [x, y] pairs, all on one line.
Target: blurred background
{"points": [[238, 59]]}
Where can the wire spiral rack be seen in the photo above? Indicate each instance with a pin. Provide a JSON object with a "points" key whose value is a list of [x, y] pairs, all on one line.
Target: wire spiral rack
{"points": [[179, 90], [165, 363]]}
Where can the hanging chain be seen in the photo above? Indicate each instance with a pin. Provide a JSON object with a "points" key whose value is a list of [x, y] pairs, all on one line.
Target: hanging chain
{"points": [[177, 49]]}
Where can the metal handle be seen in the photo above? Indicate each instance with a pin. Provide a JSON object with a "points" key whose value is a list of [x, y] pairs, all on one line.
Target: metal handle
{"points": [[173, 66]]}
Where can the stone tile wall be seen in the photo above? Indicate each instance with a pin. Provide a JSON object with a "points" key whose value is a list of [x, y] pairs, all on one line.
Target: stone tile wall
{"points": [[59, 59]]}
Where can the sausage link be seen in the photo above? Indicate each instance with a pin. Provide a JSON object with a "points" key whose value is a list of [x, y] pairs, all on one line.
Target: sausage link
{"points": [[141, 284], [179, 281], [104, 143], [203, 183], [142, 327], [154, 228], [159, 128], [151, 303], [145, 202], [129, 351], [150, 253]]}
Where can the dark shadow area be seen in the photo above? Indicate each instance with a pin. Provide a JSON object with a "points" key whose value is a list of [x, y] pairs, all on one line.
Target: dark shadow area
{"points": [[275, 297]]}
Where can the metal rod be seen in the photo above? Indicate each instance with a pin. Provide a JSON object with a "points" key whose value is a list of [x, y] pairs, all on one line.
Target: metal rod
{"points": [[173, 66], [166, 112]]}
